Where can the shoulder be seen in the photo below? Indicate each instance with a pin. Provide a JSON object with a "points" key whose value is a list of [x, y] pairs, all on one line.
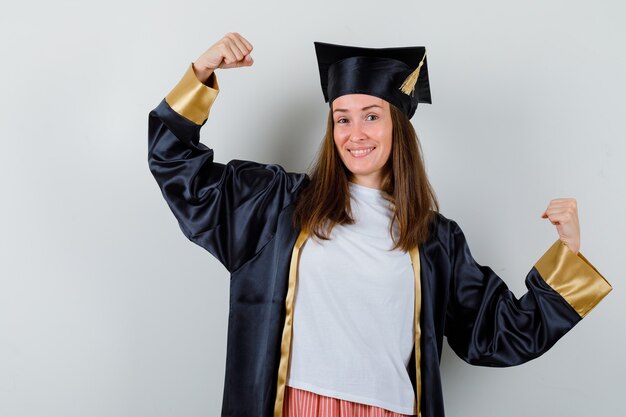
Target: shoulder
{"points": [[442, 225], [444, 232], [255, 184], [253, 173]]}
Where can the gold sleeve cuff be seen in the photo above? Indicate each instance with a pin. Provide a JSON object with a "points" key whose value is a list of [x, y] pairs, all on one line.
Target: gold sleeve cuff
{"points": [[191, 98], [573, 277]]}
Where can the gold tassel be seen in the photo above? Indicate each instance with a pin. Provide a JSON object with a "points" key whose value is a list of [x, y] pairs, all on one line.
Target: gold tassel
{"points": [[408, 86]]}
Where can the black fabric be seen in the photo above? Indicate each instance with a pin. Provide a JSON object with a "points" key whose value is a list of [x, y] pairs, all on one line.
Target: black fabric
{"points": [[241, 213], [374, 71]]}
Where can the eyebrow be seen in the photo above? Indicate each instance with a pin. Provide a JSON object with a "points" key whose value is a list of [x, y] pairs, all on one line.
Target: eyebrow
{"points": [[364, 108]]}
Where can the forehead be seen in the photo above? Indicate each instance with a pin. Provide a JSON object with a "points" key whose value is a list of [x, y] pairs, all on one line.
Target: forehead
{"points": [[357, 102]]}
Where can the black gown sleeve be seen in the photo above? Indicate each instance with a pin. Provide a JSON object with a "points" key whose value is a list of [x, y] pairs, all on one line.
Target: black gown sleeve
{"points": [[487, 325], [230, 210]]}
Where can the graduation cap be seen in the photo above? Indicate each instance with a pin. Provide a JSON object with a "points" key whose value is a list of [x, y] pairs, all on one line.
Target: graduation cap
{"points": [[397, 75]]}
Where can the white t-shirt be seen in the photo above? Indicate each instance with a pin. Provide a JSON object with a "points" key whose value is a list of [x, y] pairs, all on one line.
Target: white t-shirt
{"points": [[353, 311]]}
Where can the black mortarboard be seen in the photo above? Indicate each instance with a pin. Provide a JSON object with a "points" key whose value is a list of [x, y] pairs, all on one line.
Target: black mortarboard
{"points": [[398, 75]]}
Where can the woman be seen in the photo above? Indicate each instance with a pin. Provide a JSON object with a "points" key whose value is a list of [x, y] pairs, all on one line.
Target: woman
{"points": [[379, 271]]}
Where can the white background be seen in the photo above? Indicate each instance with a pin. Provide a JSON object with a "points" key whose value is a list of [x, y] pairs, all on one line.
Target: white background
{"points": [[106, 309]]}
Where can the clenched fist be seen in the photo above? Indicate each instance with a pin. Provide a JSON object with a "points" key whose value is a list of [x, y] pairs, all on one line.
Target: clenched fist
{"points": [[232, 51], [563, 213]]}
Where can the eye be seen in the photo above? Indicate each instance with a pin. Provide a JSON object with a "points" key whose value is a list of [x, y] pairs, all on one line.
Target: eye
{"points": [[341, 120], [371, 117]]}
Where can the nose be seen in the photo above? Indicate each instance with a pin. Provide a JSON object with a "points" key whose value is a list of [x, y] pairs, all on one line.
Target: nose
{"points": [[357, 133]]}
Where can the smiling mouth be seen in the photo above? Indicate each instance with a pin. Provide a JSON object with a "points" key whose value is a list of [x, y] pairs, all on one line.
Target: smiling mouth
{"points": [[361, 152]]}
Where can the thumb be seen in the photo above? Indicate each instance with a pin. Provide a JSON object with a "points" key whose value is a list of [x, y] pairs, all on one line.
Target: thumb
{"points": [[245, 62]]}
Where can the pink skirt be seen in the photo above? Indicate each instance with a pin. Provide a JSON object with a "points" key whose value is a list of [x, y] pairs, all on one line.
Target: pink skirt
{"points": [[301, 403]]}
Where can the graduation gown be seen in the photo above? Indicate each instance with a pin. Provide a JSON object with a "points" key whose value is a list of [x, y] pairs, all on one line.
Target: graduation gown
{"points": [[241, 213]]}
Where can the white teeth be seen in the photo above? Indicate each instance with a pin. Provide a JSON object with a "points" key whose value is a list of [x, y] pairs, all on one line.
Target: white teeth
{"points": [[359, 152]]}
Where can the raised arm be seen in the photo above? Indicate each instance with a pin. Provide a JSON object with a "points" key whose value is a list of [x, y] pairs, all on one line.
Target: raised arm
{"points": [[230, 210], [487, 325]]}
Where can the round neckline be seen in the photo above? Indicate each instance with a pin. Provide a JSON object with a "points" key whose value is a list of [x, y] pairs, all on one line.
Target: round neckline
{"points": [[364, 191]]}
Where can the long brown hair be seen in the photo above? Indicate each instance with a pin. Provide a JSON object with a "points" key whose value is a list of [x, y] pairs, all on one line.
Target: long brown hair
{"points": [[325, 201]]}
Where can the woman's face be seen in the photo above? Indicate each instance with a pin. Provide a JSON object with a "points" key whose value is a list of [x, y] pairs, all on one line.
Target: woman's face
{"points": [[362, 131]]}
